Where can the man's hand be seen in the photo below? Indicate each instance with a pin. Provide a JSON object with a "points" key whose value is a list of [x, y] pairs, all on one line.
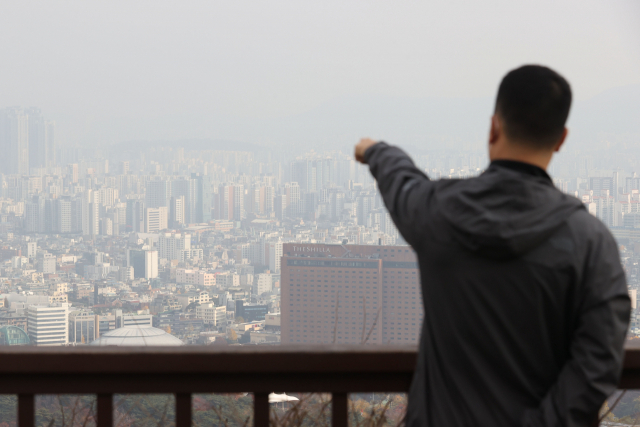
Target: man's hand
{"points": [[361, 147]]}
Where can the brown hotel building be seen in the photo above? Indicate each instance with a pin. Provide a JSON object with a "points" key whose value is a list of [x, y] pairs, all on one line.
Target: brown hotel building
{"points": [[320, 282]]}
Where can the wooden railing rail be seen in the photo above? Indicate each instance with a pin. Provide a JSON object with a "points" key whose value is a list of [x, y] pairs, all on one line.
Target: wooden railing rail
{"points": [[27, 371], [183, 371]]}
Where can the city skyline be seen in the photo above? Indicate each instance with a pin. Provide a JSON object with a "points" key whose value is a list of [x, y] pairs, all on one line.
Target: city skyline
{"points": [[181, 174]]}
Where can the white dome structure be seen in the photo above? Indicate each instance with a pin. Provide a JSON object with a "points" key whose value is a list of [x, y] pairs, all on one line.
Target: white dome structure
{"points": [[137, 337]]}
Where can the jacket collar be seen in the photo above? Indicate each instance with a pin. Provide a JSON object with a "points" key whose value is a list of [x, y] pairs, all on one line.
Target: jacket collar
{"points": [[525, 168]]}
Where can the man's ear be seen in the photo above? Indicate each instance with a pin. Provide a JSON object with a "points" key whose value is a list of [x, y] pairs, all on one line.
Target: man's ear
{"points": [[494, 132], [565, 132]]}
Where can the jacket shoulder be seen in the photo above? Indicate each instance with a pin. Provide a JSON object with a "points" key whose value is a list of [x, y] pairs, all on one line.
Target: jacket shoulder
{"points": [[582, 223]]}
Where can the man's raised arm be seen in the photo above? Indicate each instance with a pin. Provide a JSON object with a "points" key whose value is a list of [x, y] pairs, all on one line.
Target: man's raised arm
{"points": [[404, 188]]}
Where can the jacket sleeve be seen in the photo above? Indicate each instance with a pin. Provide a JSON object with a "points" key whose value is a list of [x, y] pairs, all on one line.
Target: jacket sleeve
{"points": [[597, 347], [404, 188]]}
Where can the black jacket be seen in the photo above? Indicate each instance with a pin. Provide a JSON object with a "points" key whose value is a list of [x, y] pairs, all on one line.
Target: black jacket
{"points": [[525, 301]]}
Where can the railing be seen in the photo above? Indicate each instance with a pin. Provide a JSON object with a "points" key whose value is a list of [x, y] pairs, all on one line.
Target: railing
{"points": [[27, 371]]}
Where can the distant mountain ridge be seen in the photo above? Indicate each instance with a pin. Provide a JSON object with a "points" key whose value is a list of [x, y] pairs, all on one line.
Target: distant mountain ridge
{"points": [[187, 144], [426, 123]]}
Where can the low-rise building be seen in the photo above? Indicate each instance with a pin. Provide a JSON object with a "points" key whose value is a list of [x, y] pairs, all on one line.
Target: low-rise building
{"points": [[198, 297], [264, 337], [251, 312], [211, 314], [58, 298], [195, 277], [272, 322], [140, 319], [83, 327], [227, 280]]}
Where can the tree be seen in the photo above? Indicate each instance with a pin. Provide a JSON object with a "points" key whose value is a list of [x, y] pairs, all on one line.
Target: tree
{"points": [[232, 335], [239, 319]]}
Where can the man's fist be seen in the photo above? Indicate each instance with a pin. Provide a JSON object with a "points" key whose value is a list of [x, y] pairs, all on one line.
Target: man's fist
{"points": [[362, 146]]}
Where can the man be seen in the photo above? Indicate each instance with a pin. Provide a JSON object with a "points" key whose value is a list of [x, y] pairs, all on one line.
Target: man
{"points": [[525, 301]]}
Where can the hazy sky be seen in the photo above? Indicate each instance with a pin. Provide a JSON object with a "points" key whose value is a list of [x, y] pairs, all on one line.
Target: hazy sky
{"points": [[108, 71]]}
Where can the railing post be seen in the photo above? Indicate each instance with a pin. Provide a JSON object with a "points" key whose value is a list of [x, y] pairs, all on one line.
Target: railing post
{"points": [[260, 410], [183, 410], [105, 410], [339, 410], [26, 410]]}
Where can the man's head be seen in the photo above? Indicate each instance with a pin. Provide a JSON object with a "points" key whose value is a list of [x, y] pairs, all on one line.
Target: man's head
{"points": [[532, 107]]}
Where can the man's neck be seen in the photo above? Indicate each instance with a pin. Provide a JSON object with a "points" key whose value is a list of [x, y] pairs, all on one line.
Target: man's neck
{"points": [[517, 153]]}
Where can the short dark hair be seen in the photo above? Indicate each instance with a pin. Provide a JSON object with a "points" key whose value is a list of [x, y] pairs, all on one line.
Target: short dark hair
{"points": [[534, 103]]}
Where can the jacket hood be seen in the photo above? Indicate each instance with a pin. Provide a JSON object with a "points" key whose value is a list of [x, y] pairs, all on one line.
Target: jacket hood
{"points": [[505, 213]]}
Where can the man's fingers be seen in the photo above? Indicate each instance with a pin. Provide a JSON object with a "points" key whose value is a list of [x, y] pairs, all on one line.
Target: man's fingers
{"points": [[362, 147]]}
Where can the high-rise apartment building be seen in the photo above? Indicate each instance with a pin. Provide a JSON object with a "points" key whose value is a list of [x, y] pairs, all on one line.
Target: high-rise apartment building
{"points": [[230, 202], [73, 171], [34, 215], [91, 218], [14, 141], [302, 172], [266, 200], [62, 209], [280, 206], [144, 263], [364, 205], [157, 193], [72, 213], [106, 227], [262, 283], [50, 143], [124, 167], [155, 219], [37, 138], [135, 215], [293, 200], [312, 175], [204, 197], [48, 325], [632, 183], [41, 139], [337, 203], [252, 200], [224, 202], [350, 294], [187, 188], [176, 212], [606, 208], [32, 249], [273, 255], [171, 246], [597, 184]]}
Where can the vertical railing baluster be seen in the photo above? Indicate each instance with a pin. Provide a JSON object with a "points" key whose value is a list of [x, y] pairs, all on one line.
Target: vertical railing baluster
{"points": [[339, 410], [183, 410], [26, 410], [260, 410], [105, 410]]}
